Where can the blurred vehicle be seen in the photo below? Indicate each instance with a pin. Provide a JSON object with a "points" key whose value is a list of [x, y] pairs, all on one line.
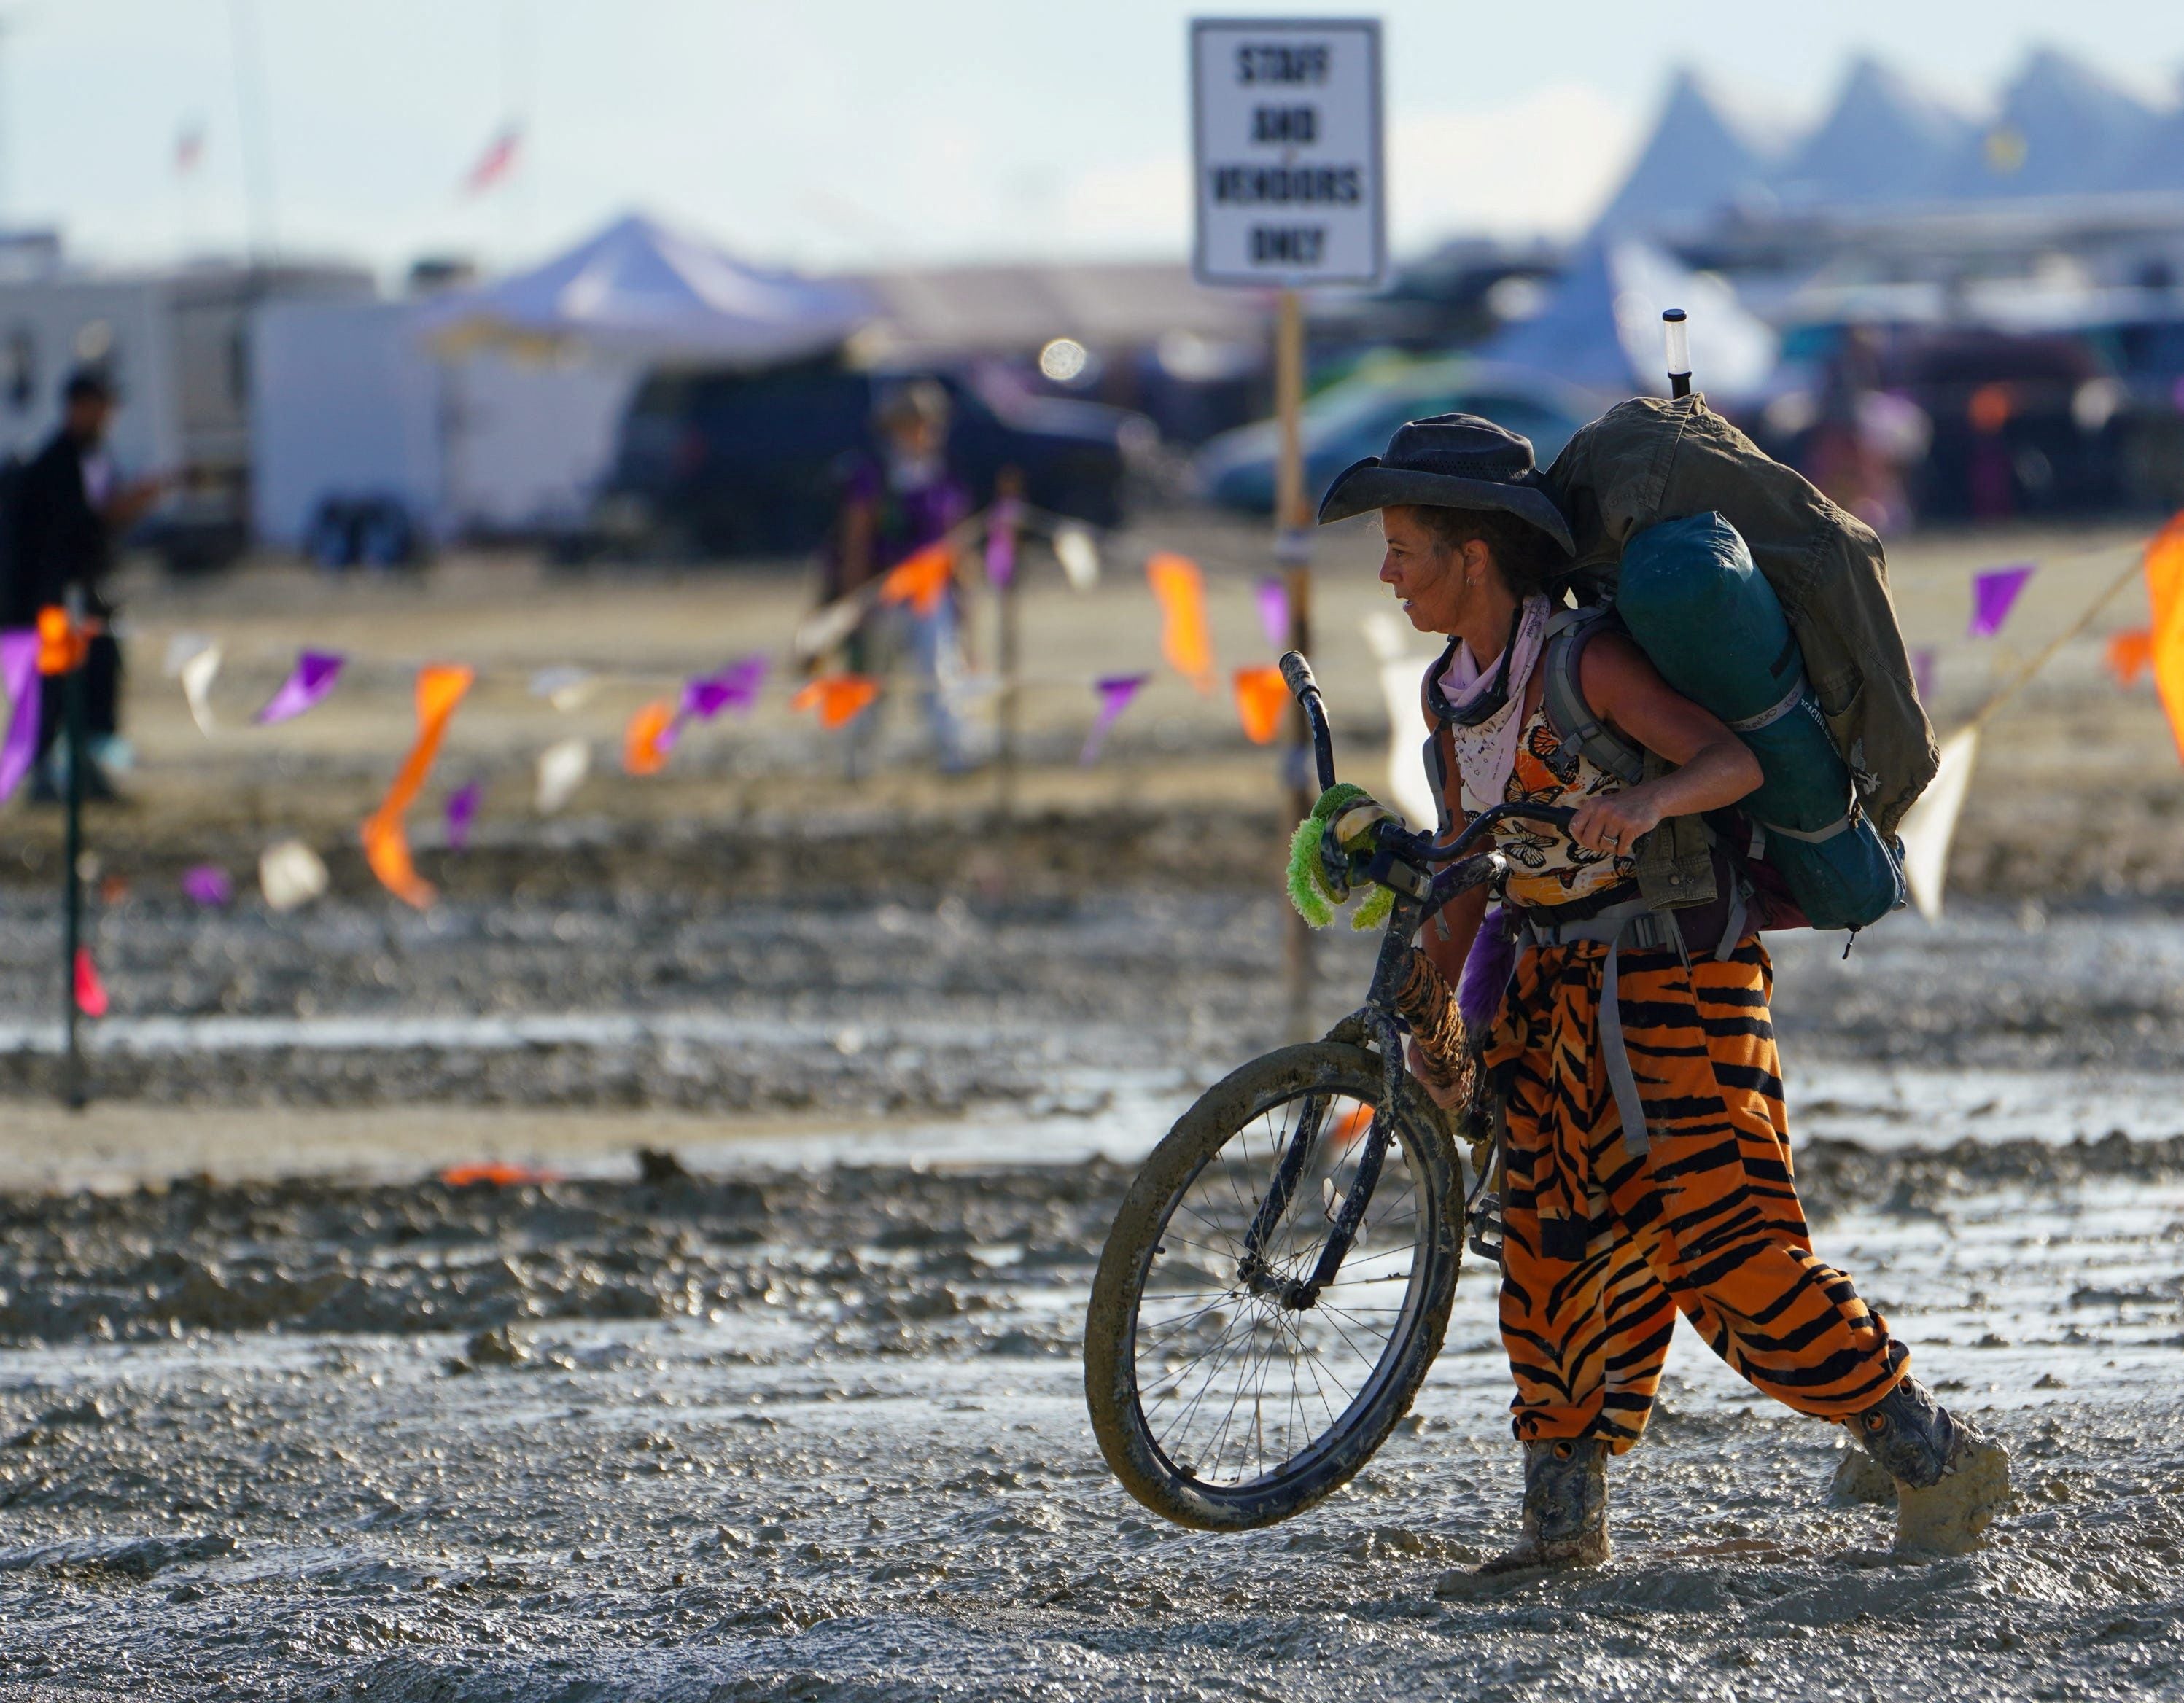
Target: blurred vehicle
{"points": [[176, 344], [2023, 425], [1354, 419], [742, 463]]}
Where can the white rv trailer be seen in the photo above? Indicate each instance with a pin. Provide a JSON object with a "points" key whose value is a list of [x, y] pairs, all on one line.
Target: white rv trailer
{"points": [[176, 344]]}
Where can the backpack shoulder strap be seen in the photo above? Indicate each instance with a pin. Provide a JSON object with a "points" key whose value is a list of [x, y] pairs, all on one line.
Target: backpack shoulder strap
{"points": [[1569, 631]]}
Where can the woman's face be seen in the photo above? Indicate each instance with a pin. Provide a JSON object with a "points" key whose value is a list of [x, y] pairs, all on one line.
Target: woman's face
{"points": [[1437, 584]]}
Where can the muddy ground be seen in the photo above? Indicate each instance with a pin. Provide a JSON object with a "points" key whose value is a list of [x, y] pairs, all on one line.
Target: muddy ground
{"points": [[794, 1435], [790, 1408]]}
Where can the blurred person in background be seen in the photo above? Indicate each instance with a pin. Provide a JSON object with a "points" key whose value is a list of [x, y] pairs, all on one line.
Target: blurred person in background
{"points": [[896, 502], [68, 507]]}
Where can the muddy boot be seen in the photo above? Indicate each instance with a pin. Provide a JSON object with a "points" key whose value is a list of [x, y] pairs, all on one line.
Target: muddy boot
{"points": [[1950, 1477], [1565, 1507]]}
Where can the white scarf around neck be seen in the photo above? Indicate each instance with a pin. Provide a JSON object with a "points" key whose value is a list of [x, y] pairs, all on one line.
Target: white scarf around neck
{"points": [[1486, 753]]}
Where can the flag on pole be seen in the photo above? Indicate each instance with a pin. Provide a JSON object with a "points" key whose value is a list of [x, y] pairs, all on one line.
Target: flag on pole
{"points": [[1262, 696], [462, 808], [1001, 542], [1930, 825], [198, 670], [1116, 691], [839, 698], [734, 687], [1274, 612], [562, 767], [289, 874], [440, 688], [648, 737], [1075, 548], [1994, 594], [18, 678], [921, 580], [189, 149], [497, 162], [308, 682], [2164, 590], [207, 884], [2129, 654], [90, 991], [1179, 589]]}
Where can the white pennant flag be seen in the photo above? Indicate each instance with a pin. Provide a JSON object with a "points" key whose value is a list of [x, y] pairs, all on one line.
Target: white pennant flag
{"points": [[561, 770], [289, 874], [1080, 556], [1930, 825], [197, 671], [1408, 788]]}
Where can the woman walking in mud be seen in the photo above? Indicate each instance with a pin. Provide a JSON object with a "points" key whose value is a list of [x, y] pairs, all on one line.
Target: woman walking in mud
{"points": [[1608, 1232]]}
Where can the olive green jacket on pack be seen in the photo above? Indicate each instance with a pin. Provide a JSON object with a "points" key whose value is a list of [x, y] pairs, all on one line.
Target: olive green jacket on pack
{"points": [[1648, 461]]}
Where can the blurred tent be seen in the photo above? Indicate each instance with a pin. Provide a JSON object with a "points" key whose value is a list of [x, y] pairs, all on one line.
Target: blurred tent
{"points": [[1884, 140], [1601, 328], [2064, 130], [638, 291], [1696, 162], [496, 410]]}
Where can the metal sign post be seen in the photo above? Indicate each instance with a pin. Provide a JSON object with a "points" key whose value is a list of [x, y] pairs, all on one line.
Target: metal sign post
{"points": [[1290, 192], [75, 1092]]}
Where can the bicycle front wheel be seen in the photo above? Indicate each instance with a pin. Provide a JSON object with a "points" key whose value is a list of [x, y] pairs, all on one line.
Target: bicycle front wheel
{"points": [[1226, 1392]]}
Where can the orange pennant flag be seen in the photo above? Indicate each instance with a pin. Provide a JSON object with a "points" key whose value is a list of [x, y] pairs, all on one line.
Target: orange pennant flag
{"points": [[1262, 696], [2164, 589], [440, 688], [1180, 591], [921, 580], [650, 735], [2130, 654], [839, 698], [62, 648]]}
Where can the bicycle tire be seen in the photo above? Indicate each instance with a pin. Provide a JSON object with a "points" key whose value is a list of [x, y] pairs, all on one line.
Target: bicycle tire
{"points": [[1111, 1371]]}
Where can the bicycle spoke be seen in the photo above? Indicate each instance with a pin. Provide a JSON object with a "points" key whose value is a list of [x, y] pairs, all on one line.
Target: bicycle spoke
{"points": [[1228, 1377]]}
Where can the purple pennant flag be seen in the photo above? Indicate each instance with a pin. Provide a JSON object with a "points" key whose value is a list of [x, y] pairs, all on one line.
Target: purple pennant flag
{"points": [[1923, 661], [462, 811], [1274, 612], [1994, 594], [207, 884], [734, 687], [1001, 543], [312, 678], [1116, 691], [18, 678]]}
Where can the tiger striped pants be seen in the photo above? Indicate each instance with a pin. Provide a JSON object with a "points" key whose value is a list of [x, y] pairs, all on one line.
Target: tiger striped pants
{"points": [[1601, 1248]]}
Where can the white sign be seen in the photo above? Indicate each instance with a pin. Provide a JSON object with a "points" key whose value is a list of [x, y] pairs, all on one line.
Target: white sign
{"points": [[1286, 139]]}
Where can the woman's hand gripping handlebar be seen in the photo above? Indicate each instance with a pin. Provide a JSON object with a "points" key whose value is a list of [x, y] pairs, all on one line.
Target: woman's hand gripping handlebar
{"points": [[1418, 847]]}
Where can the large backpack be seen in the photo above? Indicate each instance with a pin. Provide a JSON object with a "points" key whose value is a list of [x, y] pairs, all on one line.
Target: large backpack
{"points": [[1690, 599], [1649, 460], [1623, 480]]}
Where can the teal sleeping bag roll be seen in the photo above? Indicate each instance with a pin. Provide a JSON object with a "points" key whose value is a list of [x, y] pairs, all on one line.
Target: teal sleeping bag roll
{"points": [[1689, 596]]}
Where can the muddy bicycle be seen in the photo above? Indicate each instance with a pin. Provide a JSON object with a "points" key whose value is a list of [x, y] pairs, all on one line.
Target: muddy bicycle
{"points": [[1278, 1279]]}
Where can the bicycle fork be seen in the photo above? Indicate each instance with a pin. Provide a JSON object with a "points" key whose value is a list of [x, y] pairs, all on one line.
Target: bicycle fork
{"points": [[1377, 1015]]}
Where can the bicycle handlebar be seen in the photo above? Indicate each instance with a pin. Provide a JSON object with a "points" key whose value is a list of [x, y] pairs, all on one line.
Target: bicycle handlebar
{"points": [[1306, 690], [1297, 672]]}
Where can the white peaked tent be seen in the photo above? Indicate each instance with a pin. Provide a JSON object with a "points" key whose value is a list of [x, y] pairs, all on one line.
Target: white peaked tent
{"points": [[640, 291], [499, 409], [1694, 164], [1884, 140], [2064, 130], [540, 366], [1601, 328]]}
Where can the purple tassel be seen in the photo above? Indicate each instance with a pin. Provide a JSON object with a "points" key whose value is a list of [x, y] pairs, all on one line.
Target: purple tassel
{"points": [[1486, 972]]}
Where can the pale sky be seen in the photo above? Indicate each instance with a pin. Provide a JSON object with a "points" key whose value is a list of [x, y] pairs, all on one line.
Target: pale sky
{"points": [[864, 131]]}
